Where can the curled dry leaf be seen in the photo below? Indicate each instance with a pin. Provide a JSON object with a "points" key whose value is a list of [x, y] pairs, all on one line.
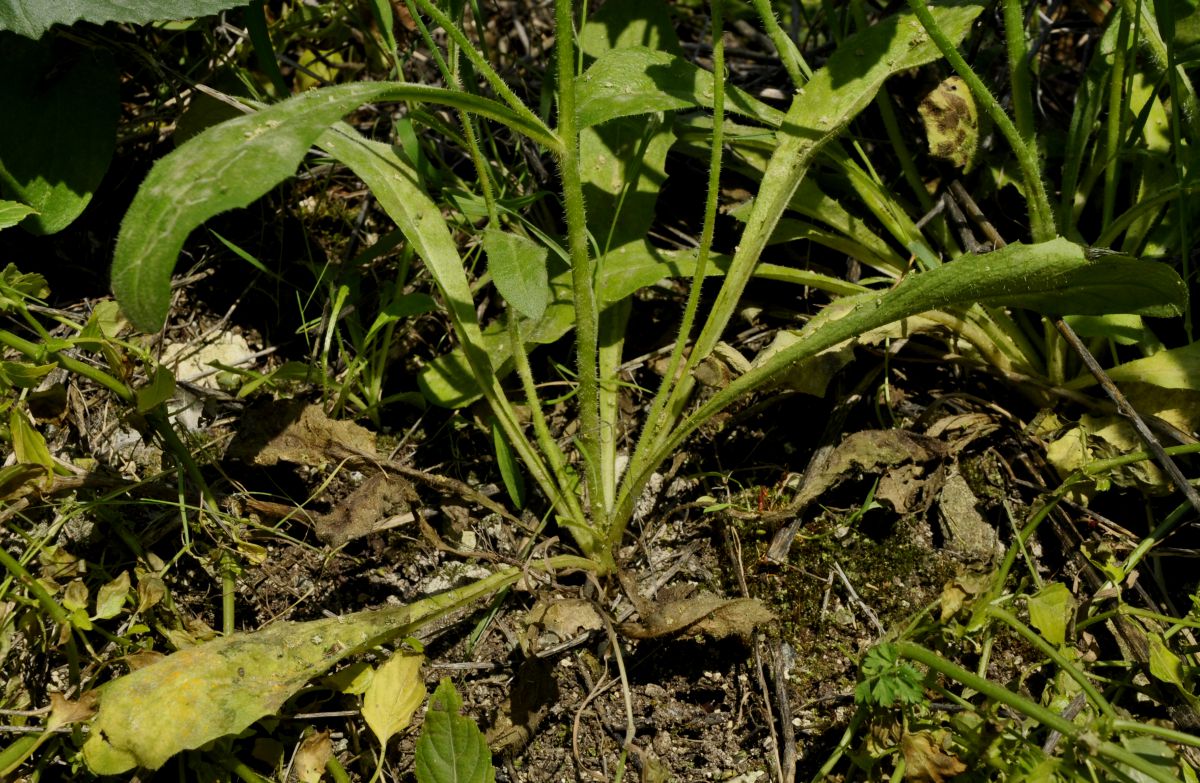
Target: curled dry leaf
{"points": [[293, 431], [925, 761]]}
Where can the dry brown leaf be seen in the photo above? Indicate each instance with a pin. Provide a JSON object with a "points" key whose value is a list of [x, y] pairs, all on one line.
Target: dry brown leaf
{"points": [[550, 622], [64, 712], [312, 756], [297, 432], [366, 510], [925, 761], [702, 614]]}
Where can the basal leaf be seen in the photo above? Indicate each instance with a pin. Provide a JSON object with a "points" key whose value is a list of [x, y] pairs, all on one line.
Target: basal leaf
{"points": [[200, 693], [510, 467], [1054, 277], [518, 267], [1165, 664], [393, 696], [623, 168], [451, 749], [31, 18], [232, 164], [59, 129]]}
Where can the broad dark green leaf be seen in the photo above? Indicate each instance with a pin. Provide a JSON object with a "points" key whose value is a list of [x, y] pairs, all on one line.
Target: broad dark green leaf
{"points": [[59, 129], [31, 18], [518, 267], [451, 749]]}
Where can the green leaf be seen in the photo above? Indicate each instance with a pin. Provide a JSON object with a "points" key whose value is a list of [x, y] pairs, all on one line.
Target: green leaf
{"points": [[1053, 276], [637, 80], [59, 129], [620, 24], [510, 468], [232, 164], [1051, 610], [447, 380], [1164, 664], [623, 168], [25, 376], [13, 212], [393, 695], [110, 599], [29, 446], [200, 693], [518, 267], [451, 749], [158, 391], [31, 18]]}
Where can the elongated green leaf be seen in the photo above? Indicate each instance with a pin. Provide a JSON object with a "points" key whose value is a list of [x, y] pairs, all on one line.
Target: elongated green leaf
{"points": [[393, 696], [447, 380], [518, 267], [29, 446], [59, 129], [451, 749], [637, 80], [234, 163], [201, 693], [510, 469], [1053, 277], [820, 111], [31, 18]]}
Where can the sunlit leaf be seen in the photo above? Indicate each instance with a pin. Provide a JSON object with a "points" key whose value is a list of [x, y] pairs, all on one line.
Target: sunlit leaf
{"points": [[13, 212], [232, 164], [29, 446], [393, 696], [206, 691]]}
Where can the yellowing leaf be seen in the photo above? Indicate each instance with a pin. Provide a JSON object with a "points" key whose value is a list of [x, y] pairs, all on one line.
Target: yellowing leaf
{"points": [[28, 444], [200, 693], [393, 696]]}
